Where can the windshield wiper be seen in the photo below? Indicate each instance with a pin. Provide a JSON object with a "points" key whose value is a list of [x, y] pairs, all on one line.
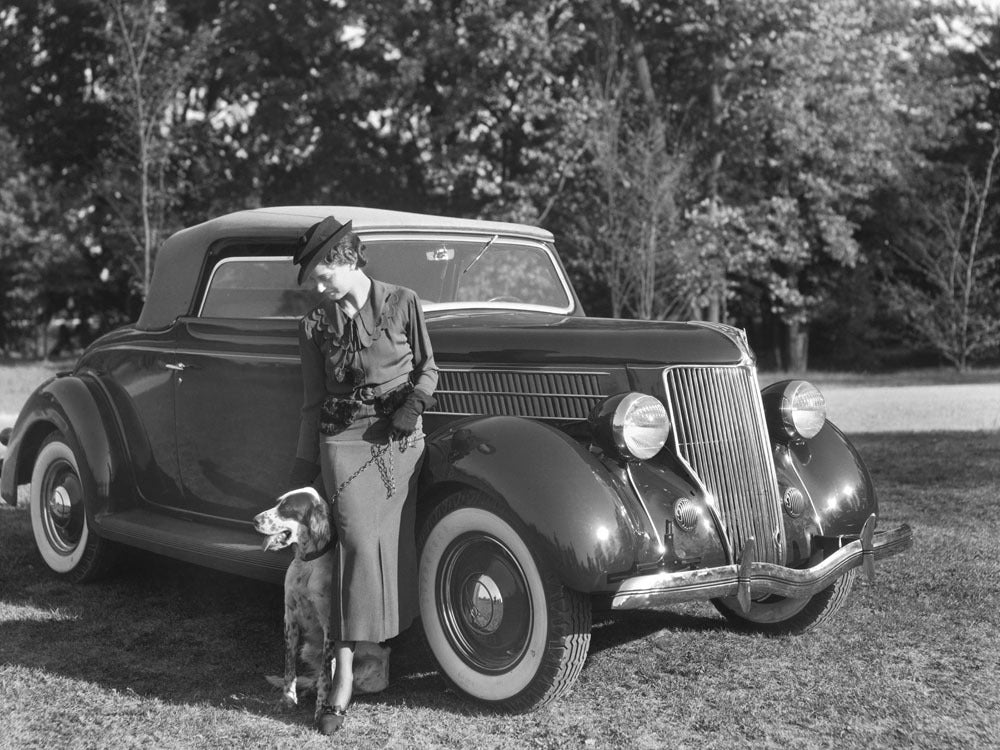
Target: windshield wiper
{"points": [[486, 247]]}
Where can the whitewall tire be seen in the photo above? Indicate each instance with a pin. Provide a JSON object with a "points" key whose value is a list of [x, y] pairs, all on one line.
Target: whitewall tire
{"points": [[502, 627], [57, 507]]}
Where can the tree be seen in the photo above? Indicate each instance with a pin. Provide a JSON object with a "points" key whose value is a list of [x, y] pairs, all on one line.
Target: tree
{"points": [[841, 105], [950, 284], [154, 56], [640, 175], [39, 270]]}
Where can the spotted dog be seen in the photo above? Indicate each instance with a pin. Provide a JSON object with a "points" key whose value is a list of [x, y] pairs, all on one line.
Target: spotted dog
{"points": [[302, 517]]}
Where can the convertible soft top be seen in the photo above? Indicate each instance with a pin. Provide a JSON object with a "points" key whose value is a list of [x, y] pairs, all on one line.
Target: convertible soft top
{"points": [[180, 259]]}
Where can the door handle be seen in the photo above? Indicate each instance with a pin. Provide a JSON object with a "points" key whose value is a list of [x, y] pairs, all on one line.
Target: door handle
{"points": [[178, 366]]}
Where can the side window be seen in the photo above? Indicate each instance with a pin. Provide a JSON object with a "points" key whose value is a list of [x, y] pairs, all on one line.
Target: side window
{"points": [[255, 288]]}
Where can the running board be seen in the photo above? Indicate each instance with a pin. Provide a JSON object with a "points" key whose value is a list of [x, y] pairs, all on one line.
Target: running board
{"points": [[226, 548]]}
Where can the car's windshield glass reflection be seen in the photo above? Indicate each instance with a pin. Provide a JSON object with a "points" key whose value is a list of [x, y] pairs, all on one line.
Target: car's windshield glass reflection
{"points": [[458, 273]]}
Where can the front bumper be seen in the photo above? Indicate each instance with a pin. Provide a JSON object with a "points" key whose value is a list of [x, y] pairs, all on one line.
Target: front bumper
{"points": [[748, 579]]}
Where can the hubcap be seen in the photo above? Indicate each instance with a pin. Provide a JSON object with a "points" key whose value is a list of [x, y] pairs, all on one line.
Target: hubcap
{"points": [[484, 603], [62, 508]]}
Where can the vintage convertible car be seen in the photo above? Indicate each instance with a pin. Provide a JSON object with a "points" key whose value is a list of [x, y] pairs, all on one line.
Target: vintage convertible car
{"points": [[572, 462]]}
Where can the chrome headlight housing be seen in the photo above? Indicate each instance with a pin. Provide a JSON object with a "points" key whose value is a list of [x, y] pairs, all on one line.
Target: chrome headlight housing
{"points": [[632, 425], [802, 409]]}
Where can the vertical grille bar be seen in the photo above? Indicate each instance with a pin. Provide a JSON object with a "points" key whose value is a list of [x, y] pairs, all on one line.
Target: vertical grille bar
{"points": [[719, 430]]}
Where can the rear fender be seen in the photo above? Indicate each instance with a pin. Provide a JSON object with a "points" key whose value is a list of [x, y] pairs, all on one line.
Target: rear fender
{"points": [[72, 406], [568, 502]]}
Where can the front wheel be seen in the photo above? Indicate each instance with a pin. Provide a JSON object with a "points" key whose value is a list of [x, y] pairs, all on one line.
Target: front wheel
{"points": [[778, 615], [59, 518], [502, 627]]}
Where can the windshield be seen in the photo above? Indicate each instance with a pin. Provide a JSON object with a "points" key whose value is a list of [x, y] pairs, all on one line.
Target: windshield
{"points": [[462, 272]]}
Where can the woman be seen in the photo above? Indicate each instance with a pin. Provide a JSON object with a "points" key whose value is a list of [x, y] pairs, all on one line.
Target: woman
{"points": [[368, 373]]}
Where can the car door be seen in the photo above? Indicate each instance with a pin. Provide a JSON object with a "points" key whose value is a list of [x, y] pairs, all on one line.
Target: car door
{"points": [[239, 389]]}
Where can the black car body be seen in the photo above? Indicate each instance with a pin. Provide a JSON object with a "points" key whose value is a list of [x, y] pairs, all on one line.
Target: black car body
{"points": [[572, 462]]}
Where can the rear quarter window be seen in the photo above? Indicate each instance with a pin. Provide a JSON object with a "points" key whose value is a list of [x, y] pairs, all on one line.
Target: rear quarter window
{"points": [[255, 288]]}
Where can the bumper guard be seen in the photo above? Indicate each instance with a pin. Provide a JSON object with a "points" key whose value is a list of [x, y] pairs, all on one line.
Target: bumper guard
{"points": [[749, 579]]}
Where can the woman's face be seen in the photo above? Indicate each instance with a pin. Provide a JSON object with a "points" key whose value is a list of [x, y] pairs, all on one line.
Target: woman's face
{"points": [[334, 281]]}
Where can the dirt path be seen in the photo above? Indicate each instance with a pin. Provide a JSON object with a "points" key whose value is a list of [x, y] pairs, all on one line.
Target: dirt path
{"points": [[905, 408], [914, 408]]}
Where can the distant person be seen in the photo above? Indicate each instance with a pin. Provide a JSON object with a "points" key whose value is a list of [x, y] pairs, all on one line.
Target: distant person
{"points": [[66, 325]]}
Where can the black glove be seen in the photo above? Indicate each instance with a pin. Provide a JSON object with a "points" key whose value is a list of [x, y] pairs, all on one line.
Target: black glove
{"points": [[404, 419], [303, 474]]}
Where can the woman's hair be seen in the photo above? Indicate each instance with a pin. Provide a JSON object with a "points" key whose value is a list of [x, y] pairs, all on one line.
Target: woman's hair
{"points": [[348, 251]]}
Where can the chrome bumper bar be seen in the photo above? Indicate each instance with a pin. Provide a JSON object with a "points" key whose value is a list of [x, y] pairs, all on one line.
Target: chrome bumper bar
{"points": [[749, 579]]}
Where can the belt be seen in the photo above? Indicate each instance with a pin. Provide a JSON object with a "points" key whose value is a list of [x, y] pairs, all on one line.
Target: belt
{"points": [[338, 412]]}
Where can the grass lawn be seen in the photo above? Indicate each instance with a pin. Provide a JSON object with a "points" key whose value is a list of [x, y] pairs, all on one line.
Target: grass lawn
{"points": [[166, 655], [19, 379]]}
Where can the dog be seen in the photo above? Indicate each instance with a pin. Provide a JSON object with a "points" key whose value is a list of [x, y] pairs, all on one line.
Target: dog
{"points": [[301, 517]]}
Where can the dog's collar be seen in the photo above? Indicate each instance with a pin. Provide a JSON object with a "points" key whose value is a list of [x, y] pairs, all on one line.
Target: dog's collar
{"points": [[318, 553]]}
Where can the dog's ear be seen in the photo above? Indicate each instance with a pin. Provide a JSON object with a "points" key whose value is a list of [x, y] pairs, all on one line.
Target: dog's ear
{"points": [[319, 522], [296, 506]]}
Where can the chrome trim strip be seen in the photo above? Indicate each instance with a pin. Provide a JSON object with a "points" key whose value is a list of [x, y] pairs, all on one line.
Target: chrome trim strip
{"points": [[660, 546], [660, 589], [737, 335], [452, 306], [517, 393], [285, 259], [201, 353], [437, 413], [521, 371]]}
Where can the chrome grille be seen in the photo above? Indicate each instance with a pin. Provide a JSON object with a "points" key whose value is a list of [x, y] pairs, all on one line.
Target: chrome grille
{"points": [[719, 430], [519, 393]]}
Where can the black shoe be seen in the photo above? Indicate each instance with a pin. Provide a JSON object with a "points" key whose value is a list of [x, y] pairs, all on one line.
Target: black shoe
{"points": [[331, 720]]}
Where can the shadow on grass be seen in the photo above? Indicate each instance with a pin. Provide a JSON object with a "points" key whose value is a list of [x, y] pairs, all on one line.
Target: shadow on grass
{"points": [[163, 629], [614, 629]]}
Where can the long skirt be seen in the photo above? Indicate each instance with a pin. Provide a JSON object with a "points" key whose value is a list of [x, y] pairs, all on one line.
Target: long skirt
{"points": [[375, 581]]}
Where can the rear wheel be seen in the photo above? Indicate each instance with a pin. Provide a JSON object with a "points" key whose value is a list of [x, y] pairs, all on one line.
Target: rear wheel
{"points": [[502, 627], [779, 615], [58, 515]]}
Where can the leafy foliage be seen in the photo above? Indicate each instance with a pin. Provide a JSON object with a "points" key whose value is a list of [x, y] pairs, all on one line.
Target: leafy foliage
{"points": [[715, 160]]}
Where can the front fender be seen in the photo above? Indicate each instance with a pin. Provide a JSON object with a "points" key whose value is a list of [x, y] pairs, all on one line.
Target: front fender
{"points": [[839, 491], [70, 405], [836, 479], [567, 501], [838, 488]]}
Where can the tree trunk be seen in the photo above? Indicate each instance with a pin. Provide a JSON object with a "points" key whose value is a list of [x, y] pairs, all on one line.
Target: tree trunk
{"points": [[798, 347], [714, 308]]}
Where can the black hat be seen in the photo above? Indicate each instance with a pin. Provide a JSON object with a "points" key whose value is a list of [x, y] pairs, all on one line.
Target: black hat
{"points": [[316, 239]]}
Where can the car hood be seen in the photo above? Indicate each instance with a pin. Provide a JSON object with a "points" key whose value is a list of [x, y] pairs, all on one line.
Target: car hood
{"points": [[536, 338]]}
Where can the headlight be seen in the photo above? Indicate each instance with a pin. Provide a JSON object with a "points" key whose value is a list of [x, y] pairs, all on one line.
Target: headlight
{"points": [[634, 425], [803, 409]]}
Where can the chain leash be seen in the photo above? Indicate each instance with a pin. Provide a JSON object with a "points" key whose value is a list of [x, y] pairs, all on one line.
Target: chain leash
{"points": [[385, 467]]}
